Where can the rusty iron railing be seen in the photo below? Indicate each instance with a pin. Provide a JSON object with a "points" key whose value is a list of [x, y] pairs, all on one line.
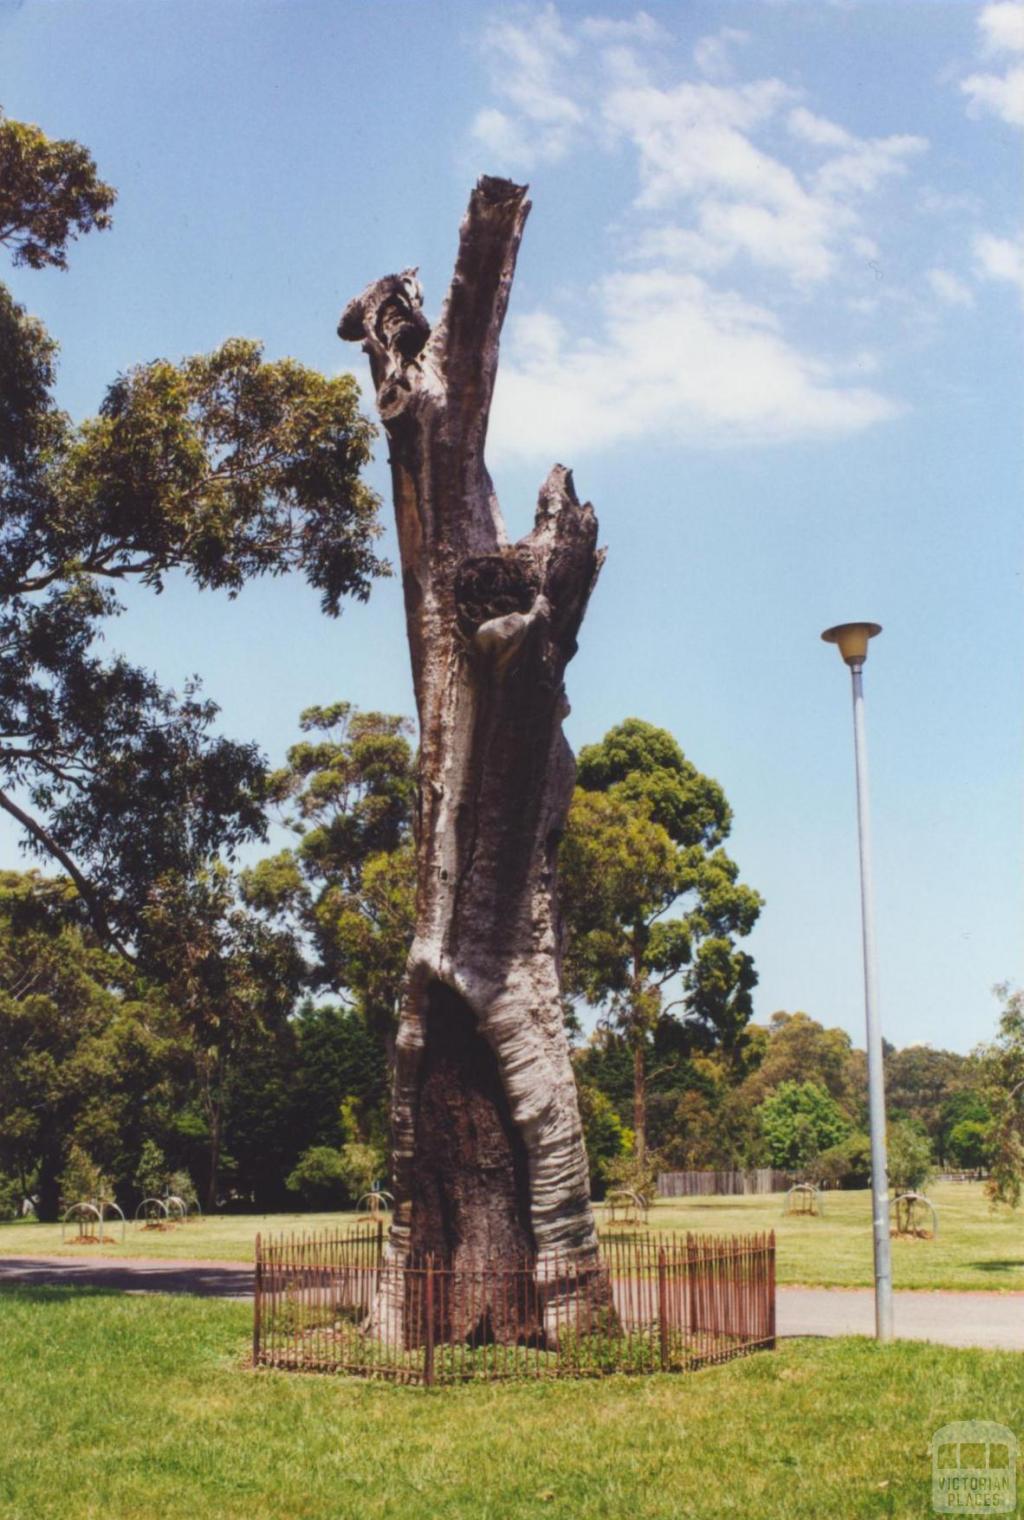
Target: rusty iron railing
{"points": [[335, 1302]]}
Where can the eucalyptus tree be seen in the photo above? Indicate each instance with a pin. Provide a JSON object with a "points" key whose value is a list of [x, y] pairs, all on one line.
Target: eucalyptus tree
{"points": [[86, 1057], [651, 897], [347, 886], [220, 467]]}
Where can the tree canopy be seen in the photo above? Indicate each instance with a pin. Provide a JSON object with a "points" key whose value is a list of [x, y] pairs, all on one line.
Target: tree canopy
{"points": [[220, 467], [799, 1122], [348, 886], [49, 193], [650, 895]]}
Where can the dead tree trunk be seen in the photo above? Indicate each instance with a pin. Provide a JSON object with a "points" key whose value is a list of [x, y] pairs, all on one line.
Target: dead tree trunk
{"points": [[489, 1161]]}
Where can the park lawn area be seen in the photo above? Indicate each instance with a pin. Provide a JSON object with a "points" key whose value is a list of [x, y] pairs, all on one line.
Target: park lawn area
{"points": [[119, 1407], [976, 1247]]}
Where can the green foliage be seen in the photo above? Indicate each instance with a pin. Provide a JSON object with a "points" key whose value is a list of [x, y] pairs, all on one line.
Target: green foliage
{"points": [[362, 1164], [909, 1157], [800, 1049], [964, 1103], [320, 1177], [933, 1088], [49, 193], [339, 1063], [82, 1180], [847, 1164], [969, 1143], [604, 1134], [11, 1196], [639, 1174], [180, 1185], [800, 1121], [1002, 1074], [348, 793], [150, 1178], [228, 466], [231, 978], [85, 1053], [223, 467], [643, 841]]}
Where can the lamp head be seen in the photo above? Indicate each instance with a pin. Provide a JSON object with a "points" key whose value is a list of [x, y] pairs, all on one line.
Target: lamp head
{"points": [[852, 639]]}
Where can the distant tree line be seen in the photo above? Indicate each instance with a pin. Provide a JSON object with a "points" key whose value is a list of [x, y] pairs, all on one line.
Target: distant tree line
{"points": [[255, 1068]]}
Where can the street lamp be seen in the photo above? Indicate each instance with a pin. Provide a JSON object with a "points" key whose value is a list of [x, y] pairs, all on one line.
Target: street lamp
{"points": [[852, 639]]}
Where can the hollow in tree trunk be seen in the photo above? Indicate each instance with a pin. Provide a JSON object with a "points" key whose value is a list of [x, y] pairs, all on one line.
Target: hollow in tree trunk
{"points": [[489, 1162]]}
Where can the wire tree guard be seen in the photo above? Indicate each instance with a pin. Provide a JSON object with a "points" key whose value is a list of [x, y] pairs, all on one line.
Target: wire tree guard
{"points": [[90, 1210], [180, 1211], [657, 1304], [626, 1207], [911, 1211], [375, 1203], [804, 1198], [153, 1214]]}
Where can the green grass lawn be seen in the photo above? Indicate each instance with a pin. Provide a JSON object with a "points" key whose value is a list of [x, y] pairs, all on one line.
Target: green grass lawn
{"points": [[125, 1408], [976, 1247]]}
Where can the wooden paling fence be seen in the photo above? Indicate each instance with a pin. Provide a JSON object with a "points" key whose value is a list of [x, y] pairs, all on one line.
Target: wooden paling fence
{"points": [[755, 1179], [335, 1302]]}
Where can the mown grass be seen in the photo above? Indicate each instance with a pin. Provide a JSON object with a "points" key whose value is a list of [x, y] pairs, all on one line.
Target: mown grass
{"points": [[976, 1247], [121, 1408]]}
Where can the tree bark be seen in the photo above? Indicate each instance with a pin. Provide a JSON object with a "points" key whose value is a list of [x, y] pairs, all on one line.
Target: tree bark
{"points": [[489, 1162], [639, 1096]]}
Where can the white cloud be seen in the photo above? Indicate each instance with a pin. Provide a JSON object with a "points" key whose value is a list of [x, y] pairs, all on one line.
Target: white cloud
{"points": [[713, 55], [695, 137], [998, 258], [1002, 95], [817, 130], [696, 146], [642, 28], [1002, 26], [949, 288], [944, 203], [674, 359], [731, 177], [868, 161], [529, 66]]}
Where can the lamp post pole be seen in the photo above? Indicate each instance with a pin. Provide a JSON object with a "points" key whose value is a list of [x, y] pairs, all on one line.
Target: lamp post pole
{"points": [[852, 639]]}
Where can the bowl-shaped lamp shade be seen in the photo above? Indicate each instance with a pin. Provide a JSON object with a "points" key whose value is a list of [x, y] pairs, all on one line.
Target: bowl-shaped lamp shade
{"points": [[852, 639]]}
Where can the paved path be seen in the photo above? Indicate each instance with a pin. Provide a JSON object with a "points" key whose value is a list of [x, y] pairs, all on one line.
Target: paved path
{"points": [[129, 1274], [991, 1320]]}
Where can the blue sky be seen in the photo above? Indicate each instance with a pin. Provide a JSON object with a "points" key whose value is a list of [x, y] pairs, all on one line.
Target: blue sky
{"points": [[768, 308]]}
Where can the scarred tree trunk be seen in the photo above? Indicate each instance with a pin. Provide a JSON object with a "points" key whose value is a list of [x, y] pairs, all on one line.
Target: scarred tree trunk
{"points": [[489, 1160]]}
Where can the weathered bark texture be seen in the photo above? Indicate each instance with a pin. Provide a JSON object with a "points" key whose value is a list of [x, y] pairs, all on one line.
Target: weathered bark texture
{"points": [[489, 1159]]}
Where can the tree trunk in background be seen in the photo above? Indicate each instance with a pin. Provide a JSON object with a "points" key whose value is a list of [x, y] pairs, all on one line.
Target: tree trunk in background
{"points": [[489, 1160], [639, 1097]]}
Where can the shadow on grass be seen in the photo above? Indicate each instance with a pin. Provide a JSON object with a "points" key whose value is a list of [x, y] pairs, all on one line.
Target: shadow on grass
{"points": [[26, 1293], [997, 1266]]}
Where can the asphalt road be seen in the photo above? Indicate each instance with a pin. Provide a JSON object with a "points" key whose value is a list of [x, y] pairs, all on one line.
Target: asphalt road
{"points": [[129, 1274], [990, 1320]]}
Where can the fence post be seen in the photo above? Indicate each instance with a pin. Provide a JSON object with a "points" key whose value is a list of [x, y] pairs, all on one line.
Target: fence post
{"points": [[771, 1290], [691, 1272], [663, 1308], [428, 1346], [257, 1303]]}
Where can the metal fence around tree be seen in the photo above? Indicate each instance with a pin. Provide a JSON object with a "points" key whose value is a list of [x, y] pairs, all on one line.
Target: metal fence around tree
{"points": [[335, 1302], [755, 1179]]}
